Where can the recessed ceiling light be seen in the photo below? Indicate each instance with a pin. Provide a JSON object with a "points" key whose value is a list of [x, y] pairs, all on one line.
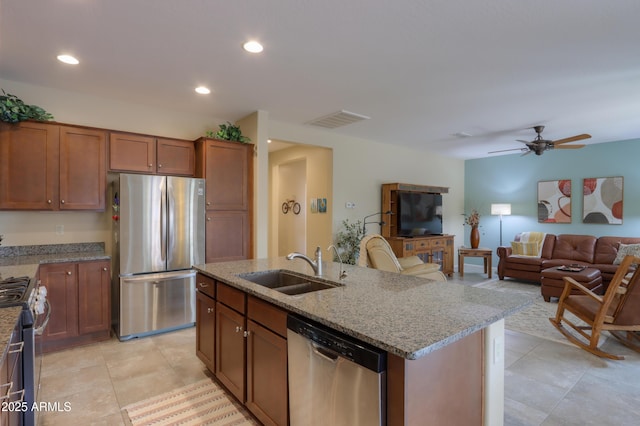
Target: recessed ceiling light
{"points": [[68, 59], [203, 90], [253, 47], [268, 140]]}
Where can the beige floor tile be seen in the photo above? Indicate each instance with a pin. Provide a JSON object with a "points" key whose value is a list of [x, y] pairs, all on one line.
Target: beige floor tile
{"points": [[518, 414], [95, 403], [141, 387], [62, 383], [72, 359], [138, 364]]}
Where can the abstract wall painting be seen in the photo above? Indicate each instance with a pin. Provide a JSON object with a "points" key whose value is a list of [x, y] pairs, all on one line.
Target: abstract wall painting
{"points": [[554, 201], [602, 200]]}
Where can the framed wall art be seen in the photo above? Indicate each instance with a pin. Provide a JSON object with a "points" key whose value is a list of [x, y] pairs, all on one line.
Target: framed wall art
{"points": [[554, 201], [602, 200]]}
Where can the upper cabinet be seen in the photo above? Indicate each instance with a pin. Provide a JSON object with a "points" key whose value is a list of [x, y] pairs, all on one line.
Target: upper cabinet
{"points": [[47, 166], [147, 154]]}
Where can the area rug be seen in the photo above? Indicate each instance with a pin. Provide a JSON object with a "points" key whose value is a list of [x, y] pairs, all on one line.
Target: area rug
{"points": [[201, 403], [534, 319]]}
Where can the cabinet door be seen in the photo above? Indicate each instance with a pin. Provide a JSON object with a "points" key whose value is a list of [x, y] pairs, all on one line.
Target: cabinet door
{"points": [[205, 329], [83, 172], [175, 157], [267, 391], [62, 293], [227, 173], [29, 169], [230, 350], [132, 153], [227, 236], [94, 295]]}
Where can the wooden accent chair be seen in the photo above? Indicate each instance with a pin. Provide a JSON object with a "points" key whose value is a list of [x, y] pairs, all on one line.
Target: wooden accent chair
{"points": [[375, 252], [617, 311]]}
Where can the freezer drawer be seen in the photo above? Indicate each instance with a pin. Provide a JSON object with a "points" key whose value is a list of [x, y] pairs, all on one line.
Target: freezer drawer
{"points": [[154, 303]]}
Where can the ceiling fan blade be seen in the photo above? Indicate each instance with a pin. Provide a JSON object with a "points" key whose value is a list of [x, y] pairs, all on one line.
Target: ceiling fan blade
{"points": [[526, 153], [569, 146], [520, 140], [572, 138], [505, 150]]}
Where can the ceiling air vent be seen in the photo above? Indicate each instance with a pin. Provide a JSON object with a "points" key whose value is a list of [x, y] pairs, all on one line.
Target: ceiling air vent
{"points": [[337, 119]]}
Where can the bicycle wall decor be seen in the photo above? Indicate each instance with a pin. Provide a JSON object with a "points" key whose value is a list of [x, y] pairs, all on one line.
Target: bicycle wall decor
{"points": [[292, 205]]}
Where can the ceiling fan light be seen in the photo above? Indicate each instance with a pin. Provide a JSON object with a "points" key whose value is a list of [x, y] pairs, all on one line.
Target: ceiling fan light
{"points": [[203, 90]]}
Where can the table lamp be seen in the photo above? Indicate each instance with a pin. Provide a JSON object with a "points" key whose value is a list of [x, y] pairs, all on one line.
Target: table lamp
{"points": [[502, 210]]}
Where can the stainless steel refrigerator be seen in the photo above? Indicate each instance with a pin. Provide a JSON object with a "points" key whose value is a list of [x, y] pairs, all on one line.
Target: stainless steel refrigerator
{"points": [[159, 234]]}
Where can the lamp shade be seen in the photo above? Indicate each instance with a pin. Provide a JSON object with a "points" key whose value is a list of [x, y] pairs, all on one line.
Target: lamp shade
{"points": [[501, 209]]}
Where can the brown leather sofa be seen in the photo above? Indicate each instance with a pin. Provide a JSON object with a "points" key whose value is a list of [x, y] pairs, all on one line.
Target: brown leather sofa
{"points": [[564, 249]]}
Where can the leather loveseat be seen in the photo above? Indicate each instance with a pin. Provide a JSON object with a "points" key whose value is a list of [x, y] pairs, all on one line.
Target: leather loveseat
{"points": [[564, 249]]}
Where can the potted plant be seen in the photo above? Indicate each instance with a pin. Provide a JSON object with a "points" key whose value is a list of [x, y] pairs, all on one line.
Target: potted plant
{"points": [[348, 241], [228, 132], [13, 110]]}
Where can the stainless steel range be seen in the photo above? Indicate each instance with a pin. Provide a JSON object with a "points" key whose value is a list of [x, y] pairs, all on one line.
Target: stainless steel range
{"points": [[26, 292]]}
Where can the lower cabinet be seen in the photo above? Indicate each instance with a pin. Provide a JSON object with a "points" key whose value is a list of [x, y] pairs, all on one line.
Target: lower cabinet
{"points": [[247, 338], [205, 329], [80, 298]]}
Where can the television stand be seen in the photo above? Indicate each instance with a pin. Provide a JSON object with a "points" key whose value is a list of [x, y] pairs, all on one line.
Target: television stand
{"points": [[431, 249]]}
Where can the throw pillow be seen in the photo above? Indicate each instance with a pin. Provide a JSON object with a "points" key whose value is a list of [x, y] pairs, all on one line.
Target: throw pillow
{"points": [[524, 249], [626, 249]]}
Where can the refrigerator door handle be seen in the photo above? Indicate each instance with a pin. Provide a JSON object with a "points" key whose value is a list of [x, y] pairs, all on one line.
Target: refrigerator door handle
{"points": [[163, 222]]}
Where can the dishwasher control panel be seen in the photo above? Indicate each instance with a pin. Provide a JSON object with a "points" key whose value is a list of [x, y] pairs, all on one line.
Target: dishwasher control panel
{"points": [[339, 344]]}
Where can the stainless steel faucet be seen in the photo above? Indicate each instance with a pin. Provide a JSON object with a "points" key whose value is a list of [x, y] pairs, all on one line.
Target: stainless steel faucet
{"points": [[315, 264], [343, 273]]}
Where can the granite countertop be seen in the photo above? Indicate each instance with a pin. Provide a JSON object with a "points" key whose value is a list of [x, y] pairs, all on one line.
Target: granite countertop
{"points": [[404, 315]]}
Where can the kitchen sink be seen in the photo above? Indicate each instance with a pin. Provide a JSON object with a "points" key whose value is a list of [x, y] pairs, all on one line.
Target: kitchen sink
{"points": [[287, 282]]}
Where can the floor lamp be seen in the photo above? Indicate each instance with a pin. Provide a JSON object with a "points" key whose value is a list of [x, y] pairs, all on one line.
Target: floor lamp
{"points": [[502, 210]]}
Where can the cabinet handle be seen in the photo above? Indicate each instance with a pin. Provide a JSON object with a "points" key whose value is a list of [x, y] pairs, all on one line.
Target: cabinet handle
{"points": [[246, 333], [209, 310], [150, 164], [208, 219], [48, 201], [104, 269], [203, 285], [68, 272], [61, 201], [238, 329], [159, 166], [208, 203]]}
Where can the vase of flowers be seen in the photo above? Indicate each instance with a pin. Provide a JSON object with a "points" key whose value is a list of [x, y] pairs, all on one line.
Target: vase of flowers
{"points": [[473, 220]]}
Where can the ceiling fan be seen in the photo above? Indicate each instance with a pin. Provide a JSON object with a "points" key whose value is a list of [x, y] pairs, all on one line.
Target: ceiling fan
{"points": [[539, 145]]}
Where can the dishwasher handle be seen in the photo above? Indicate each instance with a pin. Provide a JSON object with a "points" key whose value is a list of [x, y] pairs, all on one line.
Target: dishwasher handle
{"points": [[325, 353]]}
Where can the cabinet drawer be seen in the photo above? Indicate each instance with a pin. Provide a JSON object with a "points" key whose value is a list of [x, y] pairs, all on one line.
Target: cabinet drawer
{"points": [[437, 243], [271, 317], [206, 285], [231, 297], [421, 245]]}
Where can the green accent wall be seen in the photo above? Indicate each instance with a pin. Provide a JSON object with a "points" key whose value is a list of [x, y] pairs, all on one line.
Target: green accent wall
{"points": [[514, 179]]}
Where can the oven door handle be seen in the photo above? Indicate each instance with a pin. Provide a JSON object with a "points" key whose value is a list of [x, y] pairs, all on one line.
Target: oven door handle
{"points": [[39, 330]]}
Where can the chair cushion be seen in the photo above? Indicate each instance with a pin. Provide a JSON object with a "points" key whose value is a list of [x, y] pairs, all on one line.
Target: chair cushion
{"points": [[381, 256]]}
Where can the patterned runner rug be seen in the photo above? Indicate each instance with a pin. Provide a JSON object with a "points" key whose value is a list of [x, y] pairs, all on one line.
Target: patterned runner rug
{"points": [[201, 403], [533, 319]]}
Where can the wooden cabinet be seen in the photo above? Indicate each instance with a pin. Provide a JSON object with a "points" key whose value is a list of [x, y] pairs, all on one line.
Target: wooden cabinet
{"points": [[231, 339], [228, 170], [267, 388], [248, 337], [206, 320], [434, 249], [46, 166], [135, 153], [79, 296]]}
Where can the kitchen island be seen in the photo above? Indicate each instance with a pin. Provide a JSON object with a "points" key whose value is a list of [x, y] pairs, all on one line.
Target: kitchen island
{"points": [[445, 341]]}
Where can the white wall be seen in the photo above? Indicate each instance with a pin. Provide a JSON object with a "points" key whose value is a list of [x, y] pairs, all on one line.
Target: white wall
{"points": [[359, 166]]}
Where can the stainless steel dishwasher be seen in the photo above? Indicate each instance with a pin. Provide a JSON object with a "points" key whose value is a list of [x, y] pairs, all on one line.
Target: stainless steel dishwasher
{"points": [[333, 378]]}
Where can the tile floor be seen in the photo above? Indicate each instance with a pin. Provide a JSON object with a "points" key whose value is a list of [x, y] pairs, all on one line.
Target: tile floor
{"points": [[546, 383]]}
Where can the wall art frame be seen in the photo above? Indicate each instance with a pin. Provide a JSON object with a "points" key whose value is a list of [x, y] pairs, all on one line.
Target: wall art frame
{"points": [[602, 200], [554, 201]]}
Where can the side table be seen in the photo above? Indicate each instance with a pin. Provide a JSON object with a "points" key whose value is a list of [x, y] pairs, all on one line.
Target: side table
{"points": [[485, 253]]}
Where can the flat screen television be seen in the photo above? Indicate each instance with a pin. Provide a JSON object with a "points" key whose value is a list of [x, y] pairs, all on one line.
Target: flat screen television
{"points": [[419, 213]]}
